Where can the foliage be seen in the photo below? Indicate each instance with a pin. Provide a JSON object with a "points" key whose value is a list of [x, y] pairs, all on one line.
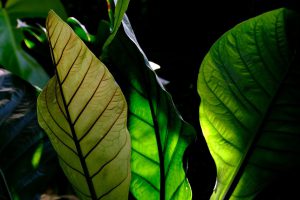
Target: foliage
{"points": [[249, 113], [249, 108], [12, 56], [27, 161], [174, 136], [158, 133]]}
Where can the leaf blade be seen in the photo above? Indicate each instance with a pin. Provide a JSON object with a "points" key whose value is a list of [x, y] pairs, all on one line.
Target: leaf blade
{"points": [[87, 112], [240, 81], [162, 136]]}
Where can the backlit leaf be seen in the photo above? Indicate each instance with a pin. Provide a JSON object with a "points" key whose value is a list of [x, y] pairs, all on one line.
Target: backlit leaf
{"points": [[250, 104], [159, 135], [84, 112]]}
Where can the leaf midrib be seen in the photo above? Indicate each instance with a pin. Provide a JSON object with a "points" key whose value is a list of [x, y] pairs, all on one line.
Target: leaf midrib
{"points": [[147, 85], [75, 139]]}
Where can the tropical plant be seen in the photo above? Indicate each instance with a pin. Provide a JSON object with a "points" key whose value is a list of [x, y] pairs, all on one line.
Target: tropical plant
{"points": [[113, 127], [249, 109]]}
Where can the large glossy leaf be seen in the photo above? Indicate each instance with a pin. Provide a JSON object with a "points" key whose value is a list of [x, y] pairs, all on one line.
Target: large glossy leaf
{"points": [[250, 104], [84, 113], [159, 135], [27, 159], [12, 56]]}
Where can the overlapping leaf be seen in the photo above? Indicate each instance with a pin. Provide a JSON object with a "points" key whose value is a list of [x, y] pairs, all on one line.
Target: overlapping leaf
{"points": [[84, 113], [27, 159], [12, 56], [250, 104], [159, 135], [118, 13]]}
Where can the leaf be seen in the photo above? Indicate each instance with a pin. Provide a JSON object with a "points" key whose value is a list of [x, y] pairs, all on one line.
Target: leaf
{"points": [[12, 56], [250, 111], [120, 9], [80, 30], [21, 138], [84, 113], [159, 136], [35, 39]]}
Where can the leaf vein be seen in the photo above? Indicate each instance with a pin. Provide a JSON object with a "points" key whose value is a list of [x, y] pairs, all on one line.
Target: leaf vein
{"points": [[85, 134], [102, 138], [231, 112], [139, 153], [89, 101], [50, 114], [109, 161], [260, 55], [68, 165], [55, 134], [82, 80], [148, 182], [105, 194], [71, 67]]}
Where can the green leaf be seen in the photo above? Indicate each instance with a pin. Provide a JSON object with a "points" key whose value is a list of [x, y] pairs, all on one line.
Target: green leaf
{"points": [[159, 136], [32, 34], [21, 138], [80, 30], [119, 12], [12, 56], [250, 111], [84, 113]]}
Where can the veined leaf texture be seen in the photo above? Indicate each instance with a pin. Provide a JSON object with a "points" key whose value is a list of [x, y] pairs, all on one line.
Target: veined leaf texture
{"points": [[84, 113], [249, 112]]}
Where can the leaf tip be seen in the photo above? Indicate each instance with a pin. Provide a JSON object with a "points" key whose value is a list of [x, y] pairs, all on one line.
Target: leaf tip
{"points": [[51, 13]]}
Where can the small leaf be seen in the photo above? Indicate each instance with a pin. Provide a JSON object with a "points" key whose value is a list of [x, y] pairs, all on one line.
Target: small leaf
{"points": [[250, 104], [84, 113], [36, 158], [159, 135], [80, 30]]}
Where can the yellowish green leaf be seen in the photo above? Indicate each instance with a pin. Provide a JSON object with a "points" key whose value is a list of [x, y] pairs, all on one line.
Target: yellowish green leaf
{"points": [[84, 113]]}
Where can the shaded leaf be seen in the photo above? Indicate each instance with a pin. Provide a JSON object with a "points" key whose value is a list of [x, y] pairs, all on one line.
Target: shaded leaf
{"points": [[80, 30], [84, 113], [159, 136], [12, 56], [250, 110], [119, 11], [27, 174], [32, 34]]}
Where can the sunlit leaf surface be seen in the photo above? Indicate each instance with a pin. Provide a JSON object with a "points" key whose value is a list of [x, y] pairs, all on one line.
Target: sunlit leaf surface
{"points": [[250, 104], [84, 113], [158, 133]]}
